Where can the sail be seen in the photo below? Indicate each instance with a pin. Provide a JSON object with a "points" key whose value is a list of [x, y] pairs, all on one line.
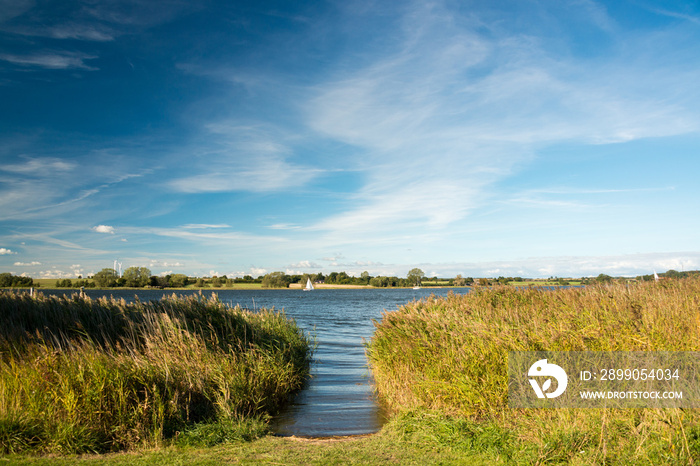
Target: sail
{"points": [[309, 286]]}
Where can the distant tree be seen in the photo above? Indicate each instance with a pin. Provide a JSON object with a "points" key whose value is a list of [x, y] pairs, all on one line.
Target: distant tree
{"points": [[65, 283], [105, 278], [415, 276], [276, 280], [459, 281], [602, 278], [502, 280], [179, 280], [136, 277], [7, 280], [379, 282], [365, 277], [83, 284]]}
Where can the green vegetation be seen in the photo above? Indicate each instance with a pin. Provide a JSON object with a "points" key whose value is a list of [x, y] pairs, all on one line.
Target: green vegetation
{"points": [[440, 365], [276, 280], [135, 277], [8, 280], [400, 443], [442, 362], [81, 375], [415, 276]]}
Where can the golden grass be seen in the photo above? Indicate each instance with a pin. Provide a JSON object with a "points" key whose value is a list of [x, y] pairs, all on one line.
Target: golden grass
{"points": [[449, 355]]}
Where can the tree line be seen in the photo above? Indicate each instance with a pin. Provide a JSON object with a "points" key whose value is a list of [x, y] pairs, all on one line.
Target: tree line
{"points": [[7, 280], [139, 277]]}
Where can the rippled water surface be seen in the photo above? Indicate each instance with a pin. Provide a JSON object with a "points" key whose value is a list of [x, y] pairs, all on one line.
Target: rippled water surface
{"points": [[338, 399]]}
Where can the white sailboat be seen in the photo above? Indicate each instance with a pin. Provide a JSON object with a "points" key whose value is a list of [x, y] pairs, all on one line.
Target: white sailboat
{"points": [[309, 285]]}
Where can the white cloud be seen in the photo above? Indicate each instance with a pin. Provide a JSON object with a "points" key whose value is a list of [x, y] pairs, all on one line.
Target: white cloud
{"points": [[257, 272], [104, 229], [55, 273], [204, 226], [52, 60], [76, 31], [27, 264], [284, 226], [5, 251], [39, 166], [159, 263], [305, 265], [254, 174]]}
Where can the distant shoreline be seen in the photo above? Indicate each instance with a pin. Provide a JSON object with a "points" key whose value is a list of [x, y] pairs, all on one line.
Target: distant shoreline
{"points": [[292, 286]]}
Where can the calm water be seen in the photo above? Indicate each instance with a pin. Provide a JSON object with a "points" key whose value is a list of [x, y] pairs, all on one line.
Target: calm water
{"points": [[338, 399]]}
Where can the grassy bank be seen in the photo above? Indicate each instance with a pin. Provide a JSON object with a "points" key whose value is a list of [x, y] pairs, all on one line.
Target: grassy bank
{"points": [[82, 375], [444, 360], [440, 363]]}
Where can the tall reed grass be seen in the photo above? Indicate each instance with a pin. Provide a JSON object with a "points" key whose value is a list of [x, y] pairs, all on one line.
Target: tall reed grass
{"points": [[449, 356], [78, 374]]}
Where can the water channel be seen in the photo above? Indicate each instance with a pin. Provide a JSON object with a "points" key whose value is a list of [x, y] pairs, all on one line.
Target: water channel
{"points": [[338, 400]]}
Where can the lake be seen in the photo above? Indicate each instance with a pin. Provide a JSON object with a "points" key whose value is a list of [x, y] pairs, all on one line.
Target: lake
{"points": [[338, 399]]}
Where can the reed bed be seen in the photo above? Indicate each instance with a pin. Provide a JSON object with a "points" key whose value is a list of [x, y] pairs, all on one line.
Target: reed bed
{"points": [[443, 361], [83, 375]]}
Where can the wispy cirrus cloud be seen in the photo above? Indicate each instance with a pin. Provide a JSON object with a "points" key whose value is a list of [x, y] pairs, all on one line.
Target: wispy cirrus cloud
{"points": [[245, 158], [447, 111], [39, 166], [52, 60], [257, 174], [70, 30]]}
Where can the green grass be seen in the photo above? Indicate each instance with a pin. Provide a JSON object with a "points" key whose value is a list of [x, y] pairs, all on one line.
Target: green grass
{"points": [[447, 357], [391, 446], [81, 375]]}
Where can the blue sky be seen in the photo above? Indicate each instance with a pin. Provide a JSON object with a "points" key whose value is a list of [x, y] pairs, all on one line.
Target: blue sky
{"points": [[516, 138]]}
